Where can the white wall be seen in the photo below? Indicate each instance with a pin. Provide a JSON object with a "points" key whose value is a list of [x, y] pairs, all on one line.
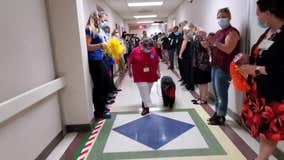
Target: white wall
{"points": [[26, 62], [89, 6], [26, 56], [204, 13], [255, 31], [68, 38], [114, 18]]}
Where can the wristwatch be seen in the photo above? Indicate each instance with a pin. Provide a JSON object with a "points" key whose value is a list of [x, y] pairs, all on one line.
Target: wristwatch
{"points": [[257, 71]]}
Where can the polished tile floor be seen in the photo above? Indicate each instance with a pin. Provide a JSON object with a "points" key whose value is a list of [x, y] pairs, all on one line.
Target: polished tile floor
{"points": [[181, 133]]}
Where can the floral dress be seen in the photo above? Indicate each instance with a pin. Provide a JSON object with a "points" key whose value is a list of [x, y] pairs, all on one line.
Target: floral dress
{"points": [[264, 119]]}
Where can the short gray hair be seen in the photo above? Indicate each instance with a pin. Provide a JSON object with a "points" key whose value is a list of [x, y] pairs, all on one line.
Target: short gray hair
{"points": [[147, 42]]}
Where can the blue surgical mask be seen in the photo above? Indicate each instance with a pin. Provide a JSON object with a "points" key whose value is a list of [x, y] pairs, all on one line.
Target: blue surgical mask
{"points": [[190, 34], [103, 24], [147, 50], [261, 25], [177, 33], [223, 22]]}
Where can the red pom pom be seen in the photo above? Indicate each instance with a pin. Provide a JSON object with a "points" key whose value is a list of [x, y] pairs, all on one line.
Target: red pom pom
{"points": [[238, 80]]}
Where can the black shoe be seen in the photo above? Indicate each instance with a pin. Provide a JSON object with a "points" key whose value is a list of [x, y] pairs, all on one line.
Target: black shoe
{"points": [[115, 92], [145, 111], [200, 102], [189, 87], [194, 100], [118, 90], [107, 109], [105, 115], [213, 117], [109, 97], [110, 101], [219, 120]]}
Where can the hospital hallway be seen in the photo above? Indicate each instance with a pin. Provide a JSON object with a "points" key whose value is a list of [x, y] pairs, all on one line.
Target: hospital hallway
{"points": [[178, 134], [62, 62]]}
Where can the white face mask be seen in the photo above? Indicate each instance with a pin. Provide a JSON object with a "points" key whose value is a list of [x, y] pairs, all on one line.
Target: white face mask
{"points": [[146, 50]]}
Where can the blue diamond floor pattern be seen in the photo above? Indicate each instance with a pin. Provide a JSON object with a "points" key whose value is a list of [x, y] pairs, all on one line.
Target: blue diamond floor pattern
{"points": [[153, 130]]}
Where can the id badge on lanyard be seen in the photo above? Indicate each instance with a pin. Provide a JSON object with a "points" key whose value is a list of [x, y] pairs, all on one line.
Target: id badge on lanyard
{"points": [[146, 69], [265, 44]]}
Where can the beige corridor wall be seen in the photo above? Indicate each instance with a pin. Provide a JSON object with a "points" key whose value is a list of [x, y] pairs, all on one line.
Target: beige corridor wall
{"points": [[26, 62]]}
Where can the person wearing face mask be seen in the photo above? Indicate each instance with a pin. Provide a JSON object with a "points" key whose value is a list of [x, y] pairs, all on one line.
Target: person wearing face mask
{"points": [[224, 46], [128, 46], [172, 48], [185, 56], [108, 60], [143, 65], [97, 68], [263, 109], [201, 66], [105, 30]]}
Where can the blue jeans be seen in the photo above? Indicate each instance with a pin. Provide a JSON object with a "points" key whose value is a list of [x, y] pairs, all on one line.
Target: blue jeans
{"points": [[221, 82]]}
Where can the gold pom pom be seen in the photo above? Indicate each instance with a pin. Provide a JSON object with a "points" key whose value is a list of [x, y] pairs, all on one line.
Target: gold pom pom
{"points": [[115, 48]]}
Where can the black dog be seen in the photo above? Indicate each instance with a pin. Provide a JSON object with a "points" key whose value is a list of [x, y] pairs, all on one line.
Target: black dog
{"points": [[168, 89]]}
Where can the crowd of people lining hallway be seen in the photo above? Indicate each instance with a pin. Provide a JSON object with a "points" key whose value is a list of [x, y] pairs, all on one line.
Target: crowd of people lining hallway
{"points": [[202, 58]]}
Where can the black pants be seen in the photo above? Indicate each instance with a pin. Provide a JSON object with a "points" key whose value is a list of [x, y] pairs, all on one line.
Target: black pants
{"points": [[188, 73], [125, 56], [110, 80], [98, 73], [181, 69]]}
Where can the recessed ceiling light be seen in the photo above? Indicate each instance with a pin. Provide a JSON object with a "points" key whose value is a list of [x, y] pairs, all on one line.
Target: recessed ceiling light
{"points": [[145, 16], [144, 21], [139, 4]]}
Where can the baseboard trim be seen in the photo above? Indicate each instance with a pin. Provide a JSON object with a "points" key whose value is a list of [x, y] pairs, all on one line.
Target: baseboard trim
{"points": [[234, 116], [49, 148], [88, 127], [80, 127]]}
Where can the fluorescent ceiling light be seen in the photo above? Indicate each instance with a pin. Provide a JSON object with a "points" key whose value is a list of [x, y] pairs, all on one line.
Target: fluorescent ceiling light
{"points": [[145, 16], [144, 21], [139, 4], [155, 24]]}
